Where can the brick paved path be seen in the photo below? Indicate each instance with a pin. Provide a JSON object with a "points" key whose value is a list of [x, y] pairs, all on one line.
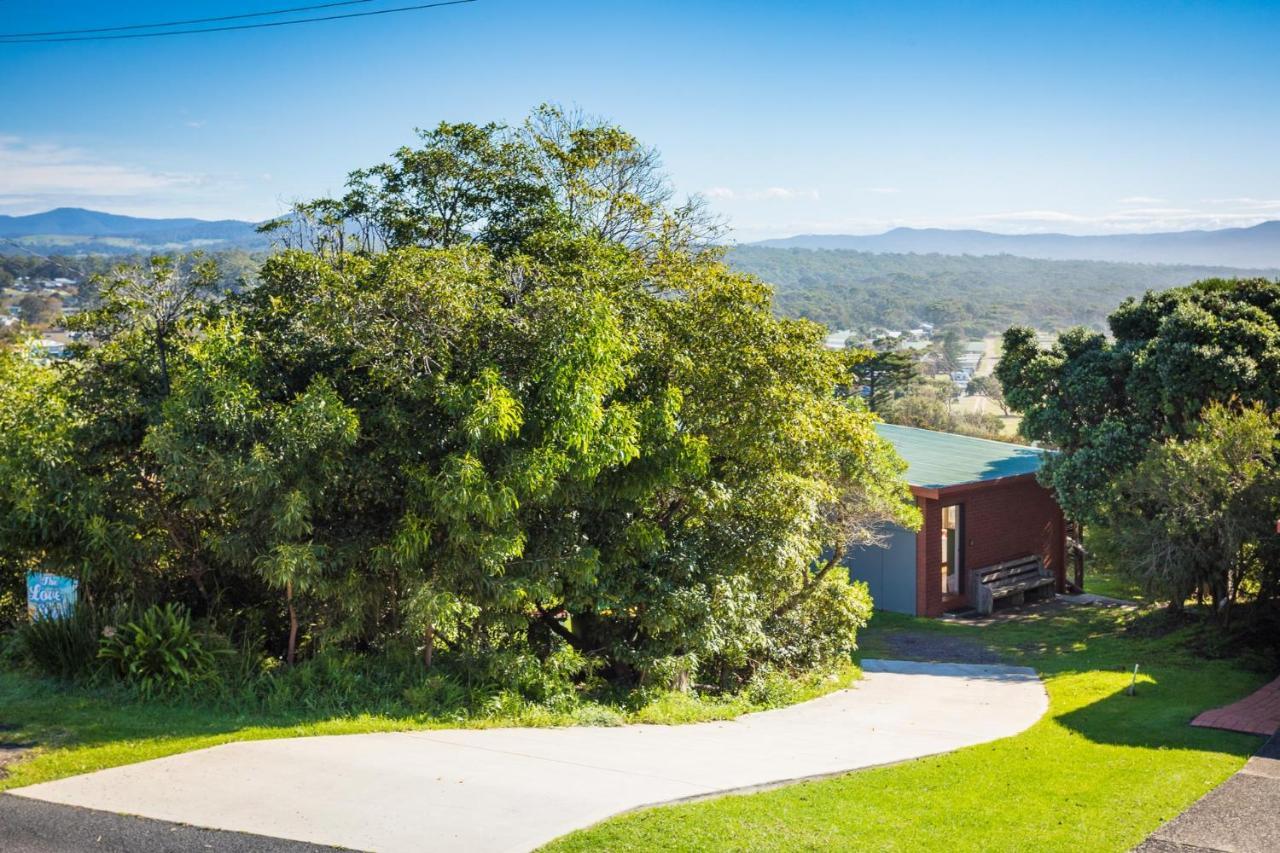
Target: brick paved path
{"points": [[1258, 713]]}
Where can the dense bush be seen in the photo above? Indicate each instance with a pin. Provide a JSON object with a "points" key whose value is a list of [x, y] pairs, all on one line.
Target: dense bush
{"points": [[1167, 435], [159, 653], [979, 294], [544, 440]]}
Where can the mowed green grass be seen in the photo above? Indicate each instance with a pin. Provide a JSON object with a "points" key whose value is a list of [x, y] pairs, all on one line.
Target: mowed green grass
{"points": [[1099, 772]]}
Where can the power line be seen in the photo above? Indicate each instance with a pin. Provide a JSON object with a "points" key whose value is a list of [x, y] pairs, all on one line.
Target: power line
{"points": [[240, 26], [181, 23]]}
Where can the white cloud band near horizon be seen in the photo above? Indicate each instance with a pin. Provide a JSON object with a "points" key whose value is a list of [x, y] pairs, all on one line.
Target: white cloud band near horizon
{"points": [[1204, 214], [37, 175]]}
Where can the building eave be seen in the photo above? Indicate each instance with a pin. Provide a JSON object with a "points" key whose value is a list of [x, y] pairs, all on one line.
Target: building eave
{"points": [[935, 493]]}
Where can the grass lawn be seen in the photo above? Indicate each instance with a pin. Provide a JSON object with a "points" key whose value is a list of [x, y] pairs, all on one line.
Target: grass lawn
{"points": [[1101, 579], [83, 729], [1099, 772]]}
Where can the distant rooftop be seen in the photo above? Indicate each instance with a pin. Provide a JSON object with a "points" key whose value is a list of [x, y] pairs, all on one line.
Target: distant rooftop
{"points": [[936, 460]]}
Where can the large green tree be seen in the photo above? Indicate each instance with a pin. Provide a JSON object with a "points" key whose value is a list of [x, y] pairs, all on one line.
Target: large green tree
{"points": [[1200, 514], [1147, 451], [533, 419], [1104, 401], [885, 371]]}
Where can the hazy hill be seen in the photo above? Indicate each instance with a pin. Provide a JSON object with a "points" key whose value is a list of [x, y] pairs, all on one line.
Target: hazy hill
{"points": [[856, 290], [976, 279], [72, 230], [1258, 246]]}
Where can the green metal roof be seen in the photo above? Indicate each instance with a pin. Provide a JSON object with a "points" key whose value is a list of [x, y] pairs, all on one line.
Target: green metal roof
{"points": [[936, 460]]}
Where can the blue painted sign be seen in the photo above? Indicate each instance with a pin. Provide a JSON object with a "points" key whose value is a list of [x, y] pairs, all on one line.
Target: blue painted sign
{"points": [[50, 596]]}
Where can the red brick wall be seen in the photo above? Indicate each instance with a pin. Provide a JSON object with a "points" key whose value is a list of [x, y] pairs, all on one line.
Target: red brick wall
{"points": [[1001, 521], [928, 560]]}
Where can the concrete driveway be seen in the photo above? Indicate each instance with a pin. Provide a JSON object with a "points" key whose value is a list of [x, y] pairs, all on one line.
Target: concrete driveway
{"points": [[514, 789]]}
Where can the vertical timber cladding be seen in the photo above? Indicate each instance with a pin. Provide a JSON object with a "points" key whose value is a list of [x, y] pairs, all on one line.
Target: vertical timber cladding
{"points": [[888, 571]]}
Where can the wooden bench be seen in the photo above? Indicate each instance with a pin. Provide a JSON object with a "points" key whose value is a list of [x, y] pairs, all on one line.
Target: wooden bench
{"points": [[1013, 581]]}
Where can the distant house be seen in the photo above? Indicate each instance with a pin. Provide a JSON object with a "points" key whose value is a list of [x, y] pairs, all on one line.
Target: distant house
{"points": [[982, 506], [46, 348], [837, 339]]}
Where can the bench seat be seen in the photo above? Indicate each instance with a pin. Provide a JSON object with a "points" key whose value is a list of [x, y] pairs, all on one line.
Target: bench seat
{"points": [[1013, 581]]}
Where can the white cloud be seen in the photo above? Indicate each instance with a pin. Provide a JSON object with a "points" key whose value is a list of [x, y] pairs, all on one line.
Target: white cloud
{"points": [[43, 169], [1132, 220], [196, 124], [1245, 203], [766, 194], [36, 176], [1141, 199], [1207, 215], [882, 190]]}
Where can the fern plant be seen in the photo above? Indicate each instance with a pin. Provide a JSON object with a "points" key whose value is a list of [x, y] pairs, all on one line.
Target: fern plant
{"points": [[160, 653]]}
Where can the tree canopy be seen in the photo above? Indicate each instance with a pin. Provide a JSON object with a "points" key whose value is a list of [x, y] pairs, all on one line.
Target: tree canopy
{"points": [[1104, 401], [500, 405], [1164, 432]]}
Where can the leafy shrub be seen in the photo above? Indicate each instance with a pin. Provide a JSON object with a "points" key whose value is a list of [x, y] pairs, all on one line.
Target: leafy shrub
{"points": [[160, 653], [64, 648], [822, 633], [436, 695]]}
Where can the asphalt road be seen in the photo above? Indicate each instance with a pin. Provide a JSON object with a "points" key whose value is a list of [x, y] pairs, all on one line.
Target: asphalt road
{"points": [[33, 826]]}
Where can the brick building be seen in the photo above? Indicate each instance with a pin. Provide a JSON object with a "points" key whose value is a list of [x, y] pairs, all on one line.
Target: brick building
{"points": [[981, 505]]}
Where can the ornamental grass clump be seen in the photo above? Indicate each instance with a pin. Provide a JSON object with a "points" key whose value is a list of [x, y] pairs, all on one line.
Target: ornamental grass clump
{"points": [[63, 647]]}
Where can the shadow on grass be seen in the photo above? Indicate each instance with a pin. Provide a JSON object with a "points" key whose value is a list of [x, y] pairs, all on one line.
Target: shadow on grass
{"points": [[1158, 716], [1091, 651]]}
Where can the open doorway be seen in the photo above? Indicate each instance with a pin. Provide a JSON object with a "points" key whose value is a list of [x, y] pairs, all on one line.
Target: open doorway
{"points": [[952, 553]]}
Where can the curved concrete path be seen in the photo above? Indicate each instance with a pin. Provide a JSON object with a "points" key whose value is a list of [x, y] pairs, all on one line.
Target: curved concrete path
{"points": [[514, 789]]}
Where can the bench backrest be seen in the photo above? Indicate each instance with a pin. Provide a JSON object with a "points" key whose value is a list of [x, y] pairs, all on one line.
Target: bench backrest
{"points": [[1010, 571]]}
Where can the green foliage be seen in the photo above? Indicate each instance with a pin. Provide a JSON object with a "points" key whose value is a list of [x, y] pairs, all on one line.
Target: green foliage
{"points": [[1105, 402], [64, 648], [930, 404], [1164, 435], [885, 373], [845, 289], [548, 441], [159, 653], [1199, 513], [989, 386]]}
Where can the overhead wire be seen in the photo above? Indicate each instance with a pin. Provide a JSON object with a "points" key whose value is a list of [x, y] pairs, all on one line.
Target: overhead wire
{"points": [[184, 22], [348, 15]]}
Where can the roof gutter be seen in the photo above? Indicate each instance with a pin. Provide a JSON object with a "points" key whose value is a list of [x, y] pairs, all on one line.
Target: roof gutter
{"points": [[935, 493]]}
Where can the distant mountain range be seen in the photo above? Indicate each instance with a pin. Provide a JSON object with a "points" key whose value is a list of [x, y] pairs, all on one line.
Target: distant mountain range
{"points": [[1255, 247], [73, 230]]}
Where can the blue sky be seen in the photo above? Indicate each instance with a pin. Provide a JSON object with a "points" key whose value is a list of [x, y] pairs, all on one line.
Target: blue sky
{"points": [[835, 117]]}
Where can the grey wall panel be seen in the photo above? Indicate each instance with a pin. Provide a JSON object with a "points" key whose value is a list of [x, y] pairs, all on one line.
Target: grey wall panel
{"points": [[889, 571]]}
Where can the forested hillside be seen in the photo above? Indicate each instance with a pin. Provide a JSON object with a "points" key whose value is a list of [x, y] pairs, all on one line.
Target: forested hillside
{"points": [[855, 290]]}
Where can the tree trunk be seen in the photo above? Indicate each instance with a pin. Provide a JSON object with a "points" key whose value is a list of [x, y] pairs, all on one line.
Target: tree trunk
{"points": [[1077, 553], [561, 631], [293, 624], [812, 584], [162, 350], [429, 646]]}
